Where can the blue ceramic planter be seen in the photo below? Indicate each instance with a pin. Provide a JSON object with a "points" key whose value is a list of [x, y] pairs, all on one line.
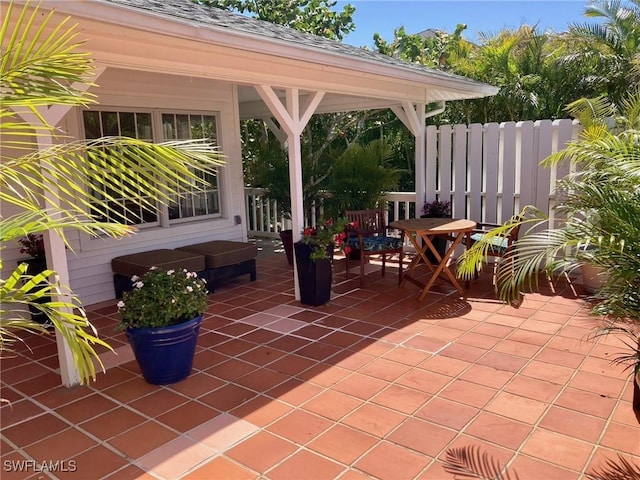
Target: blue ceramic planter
{"points": [[165, 354]]}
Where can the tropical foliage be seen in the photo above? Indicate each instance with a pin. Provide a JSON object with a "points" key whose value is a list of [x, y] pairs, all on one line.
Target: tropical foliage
{"points": [[598, 219], [311, 16], [55, 189]]}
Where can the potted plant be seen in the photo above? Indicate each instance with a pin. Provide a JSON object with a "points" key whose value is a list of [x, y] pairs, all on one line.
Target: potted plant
{"points": [[269, 169], [33, 245], [437, 209], [161, 316], [314, 255]]}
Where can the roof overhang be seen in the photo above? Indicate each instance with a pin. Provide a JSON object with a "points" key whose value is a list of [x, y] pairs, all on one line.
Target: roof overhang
{"points": [[122, 35]]}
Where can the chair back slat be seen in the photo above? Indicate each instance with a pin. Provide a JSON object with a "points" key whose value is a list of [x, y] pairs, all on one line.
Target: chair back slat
{"points": [[370, 222]]}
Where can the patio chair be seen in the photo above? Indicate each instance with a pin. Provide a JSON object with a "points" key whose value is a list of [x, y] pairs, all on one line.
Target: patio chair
{"points": [[367, 235], [501, 245]]}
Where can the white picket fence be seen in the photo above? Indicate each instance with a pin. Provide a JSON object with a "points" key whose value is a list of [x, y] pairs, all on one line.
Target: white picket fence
{"points": [[488, 172]]}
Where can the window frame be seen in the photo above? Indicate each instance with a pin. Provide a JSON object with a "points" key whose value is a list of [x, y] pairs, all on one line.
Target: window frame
{"points": [[157, 133]]}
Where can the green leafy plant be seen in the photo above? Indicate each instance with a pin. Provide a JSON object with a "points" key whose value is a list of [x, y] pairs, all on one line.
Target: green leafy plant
{"points": [[161, 298], [437, 208], [326, 234]]}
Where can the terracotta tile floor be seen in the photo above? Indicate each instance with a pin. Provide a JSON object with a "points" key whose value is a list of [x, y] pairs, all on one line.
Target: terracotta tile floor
{"points": [[375, 384]]}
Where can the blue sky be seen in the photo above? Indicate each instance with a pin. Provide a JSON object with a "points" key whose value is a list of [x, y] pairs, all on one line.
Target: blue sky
{"points": [[489, 16]]}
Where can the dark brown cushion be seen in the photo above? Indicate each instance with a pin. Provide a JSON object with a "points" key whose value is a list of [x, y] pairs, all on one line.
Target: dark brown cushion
{"points": [[220, 253], [140, 263]]}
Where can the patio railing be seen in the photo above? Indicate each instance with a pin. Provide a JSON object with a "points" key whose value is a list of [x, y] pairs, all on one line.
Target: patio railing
{"points": [[488, 172]]}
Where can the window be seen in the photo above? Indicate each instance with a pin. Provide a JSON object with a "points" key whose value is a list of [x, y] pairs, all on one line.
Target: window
{"points": [[193, 203], [131, 210]]}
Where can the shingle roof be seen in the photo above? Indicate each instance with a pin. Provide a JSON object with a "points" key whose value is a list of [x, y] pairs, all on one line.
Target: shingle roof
{"points": [[188, 10]]}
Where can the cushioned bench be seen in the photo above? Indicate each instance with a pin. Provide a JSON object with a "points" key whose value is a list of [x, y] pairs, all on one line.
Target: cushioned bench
{"points": [[225, 259], [126, 266]]}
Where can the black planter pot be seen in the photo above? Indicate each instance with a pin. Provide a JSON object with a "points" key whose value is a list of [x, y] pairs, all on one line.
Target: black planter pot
{"points": [[314, 276], [439, 242], [287, 242], [34, 267]]}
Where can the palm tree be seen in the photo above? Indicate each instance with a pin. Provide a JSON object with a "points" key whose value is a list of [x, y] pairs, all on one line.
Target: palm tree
{"points": [[57, 189], [599, 206], [612, 47]]}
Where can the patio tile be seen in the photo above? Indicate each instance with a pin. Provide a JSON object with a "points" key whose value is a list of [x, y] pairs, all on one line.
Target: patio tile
{"points": [[227, 397], [158, 402], [94, 463], [231, 369], [574, 424], [528, 387], [586, 402], [421, 436], [558, 449], [407, 356], [19, 411], [222, 432], [541, 390], [262, 451], [221, 468], [332, 405], [86, 408], [452, 367], [527, 467], [374, 420], [324, 374], [392, 462], [142, 439], [302, 463], [35, 429], [113, 422], [261, 379], [548, 371], [401, 399], [360, 386], [343, 444], [299, 426], [499, 430], [503, 361], [465, 353], [447, 413], [487, 375], [468, 393], [622, 438], [516, 407], [294, 392], [261, 355], [61, 446], [174, 459], [520, 349], [197, 384], [261, 410]]}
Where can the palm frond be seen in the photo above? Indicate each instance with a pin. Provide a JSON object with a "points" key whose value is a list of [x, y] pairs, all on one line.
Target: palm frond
{"points": [[470, 462], [622, 469], [68, 316]]}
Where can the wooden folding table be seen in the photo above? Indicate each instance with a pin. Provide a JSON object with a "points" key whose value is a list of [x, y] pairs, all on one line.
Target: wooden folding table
{"points": [[421, 232]]}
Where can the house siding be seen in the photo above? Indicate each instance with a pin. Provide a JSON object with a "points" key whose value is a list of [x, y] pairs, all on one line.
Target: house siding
{"points": [[89, 259]]}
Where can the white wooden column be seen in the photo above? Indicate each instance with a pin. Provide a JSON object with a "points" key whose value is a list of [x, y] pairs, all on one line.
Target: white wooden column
{"points": [[55, 249], [293, 117], [414, 118]]}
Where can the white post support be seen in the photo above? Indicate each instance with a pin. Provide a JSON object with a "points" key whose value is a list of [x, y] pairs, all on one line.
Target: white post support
{"points": [[292, 118]]}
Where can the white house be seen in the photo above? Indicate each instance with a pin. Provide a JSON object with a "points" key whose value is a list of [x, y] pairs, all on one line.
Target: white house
{"points": [[163, 66]]}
